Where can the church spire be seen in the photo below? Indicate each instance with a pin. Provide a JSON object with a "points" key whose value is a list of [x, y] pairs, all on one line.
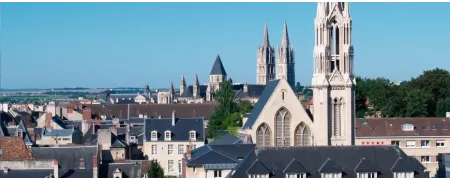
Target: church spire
{"points": [[196, 82], [182, 84], [171, 90], [266, 42], [285, 38]]}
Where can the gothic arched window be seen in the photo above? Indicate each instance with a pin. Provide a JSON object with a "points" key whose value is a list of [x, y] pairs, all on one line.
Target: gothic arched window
{"points": [[282, 127], [302, 135], [336, 117], [263, 135]]}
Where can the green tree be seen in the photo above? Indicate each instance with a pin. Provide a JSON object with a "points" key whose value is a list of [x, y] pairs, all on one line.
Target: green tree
{"points": [[442, 107], [244, 106], [298, 87], [232, 120], [360, 98], [156, 171], [224, 107], [417, 102]]}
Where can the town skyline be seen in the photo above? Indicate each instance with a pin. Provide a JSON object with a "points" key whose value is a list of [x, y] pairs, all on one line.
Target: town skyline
{"points": [[110, 45]]}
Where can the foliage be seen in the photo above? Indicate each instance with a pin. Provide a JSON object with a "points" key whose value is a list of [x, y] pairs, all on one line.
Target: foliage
{"points": [[244, 106], [233, 130], [298, 87], [442, 106], [156, 171], [418, 97]]}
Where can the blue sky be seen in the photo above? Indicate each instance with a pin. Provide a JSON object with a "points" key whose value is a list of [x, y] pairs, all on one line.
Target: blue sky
{"points": [[47, 45]]}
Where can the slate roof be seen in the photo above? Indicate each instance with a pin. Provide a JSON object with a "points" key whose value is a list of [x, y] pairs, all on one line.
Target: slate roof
{"points": [[189, 92], [68, 157], [13, 148], [139, 133], [58, 132], [259, 106], [253, 91], [180, 132], [43, 173], [218, 68], [381, 127], [294, 167], [129, 170], [219, 154], [227, 139], [153, 110], [329, 159]]}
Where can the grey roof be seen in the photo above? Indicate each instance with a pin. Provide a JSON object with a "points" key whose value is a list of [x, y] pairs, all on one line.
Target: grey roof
{"points": [[59, 121], [139, 133], [219, 166], [189, 92], [68, 157], [365, 165], [180, 131], [129, 170], [258, 167], [219, 154], [218, 68], [58, 132], [42, 173], [227, 139], [328, 159], [295, 167], [259, 106]]}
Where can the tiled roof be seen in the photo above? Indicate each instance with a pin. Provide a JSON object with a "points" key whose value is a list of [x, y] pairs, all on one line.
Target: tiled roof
{"points": [[13, 148], [429, 126], [153, 110], [329, 159]]}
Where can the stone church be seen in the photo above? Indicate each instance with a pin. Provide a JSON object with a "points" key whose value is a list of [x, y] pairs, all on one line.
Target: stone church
{"points": [[279, 119]]}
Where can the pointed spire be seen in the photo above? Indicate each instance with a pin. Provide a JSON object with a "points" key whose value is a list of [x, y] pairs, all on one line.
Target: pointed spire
{"points": [[196, 82], [183, 81], [218, 68], [285, 38], [171, 90], [265, 42]]}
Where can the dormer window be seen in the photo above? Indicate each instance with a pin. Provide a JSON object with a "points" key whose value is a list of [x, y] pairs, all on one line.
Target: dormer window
{"points": [[302, 175], [407, 127], [258, 176], [167, 136], [403, 174], [117, 173], [331, 175], [367, 175], [192, 135], [154, 136]]}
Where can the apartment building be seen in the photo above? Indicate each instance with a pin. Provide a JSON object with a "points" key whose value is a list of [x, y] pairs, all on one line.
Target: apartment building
{"points": [[422, 138], [168, 139]]}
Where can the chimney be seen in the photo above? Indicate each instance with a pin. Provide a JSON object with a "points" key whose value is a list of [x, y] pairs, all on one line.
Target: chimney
{"points": [[183, 168], [93, 127], [245, 88], [5, 170], [173, 117], [48, 120], [94, 166], [82, 164], [55, 169], [70, 109], [188, 152], [87, 114]]}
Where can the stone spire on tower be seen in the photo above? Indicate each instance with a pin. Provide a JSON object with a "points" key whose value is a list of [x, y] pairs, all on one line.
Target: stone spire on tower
{"points": [[182, 84], [285, 60], [265, 62]]}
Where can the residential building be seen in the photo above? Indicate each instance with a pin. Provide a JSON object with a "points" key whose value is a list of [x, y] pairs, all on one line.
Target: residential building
{"points": [[168, 139], [422, 138], [328, 162], [215, 160], [444, 165]]}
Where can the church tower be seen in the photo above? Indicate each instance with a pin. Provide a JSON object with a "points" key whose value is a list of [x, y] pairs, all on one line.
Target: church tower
{"points": [[333, 79], [265, 65], [285, 60]]}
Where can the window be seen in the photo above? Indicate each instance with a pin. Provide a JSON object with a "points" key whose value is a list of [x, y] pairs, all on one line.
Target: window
{"points": [[440, 143], [258, 176], [408, 127], [154, 149], [170, 149], [425, 143], [180, 149], [302, 175], [367, 175], [154, 136], [217, 173], [410, 144], [404, 175], [170, 166], [331, 175], [395, 143], [167, 135], [179, 168], [282, 95], [425, 159], [193, 147], [192, 136]]}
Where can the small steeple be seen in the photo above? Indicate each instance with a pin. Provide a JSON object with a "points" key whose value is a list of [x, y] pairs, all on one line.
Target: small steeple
{"points": [[196, 82], [171, 90], [183, 81], [218, 68], [285, 38], [265, 42]]}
